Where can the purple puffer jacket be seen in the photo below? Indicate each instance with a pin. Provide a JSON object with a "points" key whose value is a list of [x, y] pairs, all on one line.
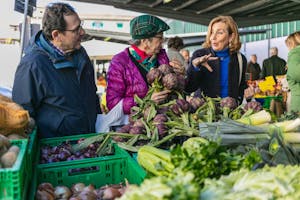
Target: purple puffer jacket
{"points": [[124, 80]]}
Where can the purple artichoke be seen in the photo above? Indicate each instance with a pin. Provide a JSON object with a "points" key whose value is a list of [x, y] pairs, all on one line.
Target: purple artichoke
{"points": [[160, 118], [133, 116], [228, 102], [124, 129], [181, 106], [162, 130], [153, 74], [139, 123], [163, 110], [170, 81], [254, 105], [166, 69], [137, 130], [196, 102], [146, 112]]}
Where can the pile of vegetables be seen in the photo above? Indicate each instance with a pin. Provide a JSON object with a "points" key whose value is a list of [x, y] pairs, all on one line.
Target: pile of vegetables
{"points": [[64, 152], [8, 153], [281, 182], [204, 161], [180, 173], [79, 191]]}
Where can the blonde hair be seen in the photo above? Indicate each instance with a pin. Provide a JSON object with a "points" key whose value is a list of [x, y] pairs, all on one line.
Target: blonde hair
{"points": [[293, 40], [232, 29]]}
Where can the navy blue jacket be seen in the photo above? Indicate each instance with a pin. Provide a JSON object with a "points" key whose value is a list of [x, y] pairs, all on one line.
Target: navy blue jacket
{"points": [[58, 93], [209, 82]]}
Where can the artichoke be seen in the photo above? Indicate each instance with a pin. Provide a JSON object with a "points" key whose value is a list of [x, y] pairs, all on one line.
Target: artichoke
{"points": [[124, 129], [137, 130], [162, 130], [228, 102], [133, 116], [166, 69], [139, 123], [181, 106], [254, 105], [163, 109], [159, 122], [160, 118], [170, 81], [196, 102], [153, 74]]}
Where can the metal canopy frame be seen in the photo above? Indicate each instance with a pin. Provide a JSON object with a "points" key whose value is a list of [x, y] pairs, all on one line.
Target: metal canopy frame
{"points": [[245, 12]]}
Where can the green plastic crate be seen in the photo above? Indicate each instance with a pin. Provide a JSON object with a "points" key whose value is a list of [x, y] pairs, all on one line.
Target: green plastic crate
{"points": [[13, 181], [268, 100], [119, 153], [32, 146], [99, 171], [109, 171]]}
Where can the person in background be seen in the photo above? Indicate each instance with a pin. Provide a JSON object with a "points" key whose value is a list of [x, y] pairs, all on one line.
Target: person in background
{"points": [[253, 68], [126, 75], [293, 70], [274, 65], [186, 55], [218, 68], [55, 78], [175, 44]]}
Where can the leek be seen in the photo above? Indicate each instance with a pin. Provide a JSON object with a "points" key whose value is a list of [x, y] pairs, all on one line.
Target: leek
{"points": [[289, 125], [292, 137], [258, 118]]}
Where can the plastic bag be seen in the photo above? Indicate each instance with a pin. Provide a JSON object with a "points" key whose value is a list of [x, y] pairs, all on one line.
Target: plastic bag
{"points": [[114, 117]]}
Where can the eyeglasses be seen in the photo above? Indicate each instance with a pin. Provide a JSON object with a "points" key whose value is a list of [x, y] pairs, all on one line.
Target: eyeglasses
{"points": [[77, 29]]}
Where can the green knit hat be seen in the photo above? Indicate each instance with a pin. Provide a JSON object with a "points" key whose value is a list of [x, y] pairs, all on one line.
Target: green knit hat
{"points": [[146, 26]]}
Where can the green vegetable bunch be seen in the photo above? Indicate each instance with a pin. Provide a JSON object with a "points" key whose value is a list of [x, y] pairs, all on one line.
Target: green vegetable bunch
{"points": [[208, 159]]}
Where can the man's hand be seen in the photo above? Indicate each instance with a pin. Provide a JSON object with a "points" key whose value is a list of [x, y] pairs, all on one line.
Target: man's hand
{"points": [[203, 61]]}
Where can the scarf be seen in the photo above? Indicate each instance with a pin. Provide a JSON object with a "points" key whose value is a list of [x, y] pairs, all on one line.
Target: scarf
{"points": [[146, 61]]}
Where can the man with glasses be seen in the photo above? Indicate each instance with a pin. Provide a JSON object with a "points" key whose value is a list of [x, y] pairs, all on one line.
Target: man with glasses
{"points": [[55, 78], [127, 72]]}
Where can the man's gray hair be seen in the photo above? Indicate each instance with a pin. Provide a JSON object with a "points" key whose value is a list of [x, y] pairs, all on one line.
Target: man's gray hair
{"points": [[273, 51]]}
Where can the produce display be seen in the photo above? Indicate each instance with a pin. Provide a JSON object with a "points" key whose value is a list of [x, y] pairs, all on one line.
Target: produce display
{"points": [[79, 191], [64, 152], [8, 153], [191, 147], [281, 182], [162, 125], [180, 174], [196, 169]]}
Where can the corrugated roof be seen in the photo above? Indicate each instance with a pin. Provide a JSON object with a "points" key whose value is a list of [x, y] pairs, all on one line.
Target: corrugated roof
{"points": [[245, 12]]}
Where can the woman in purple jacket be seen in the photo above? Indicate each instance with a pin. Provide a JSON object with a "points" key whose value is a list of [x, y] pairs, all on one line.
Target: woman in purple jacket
{"points": [[127, 72]]}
